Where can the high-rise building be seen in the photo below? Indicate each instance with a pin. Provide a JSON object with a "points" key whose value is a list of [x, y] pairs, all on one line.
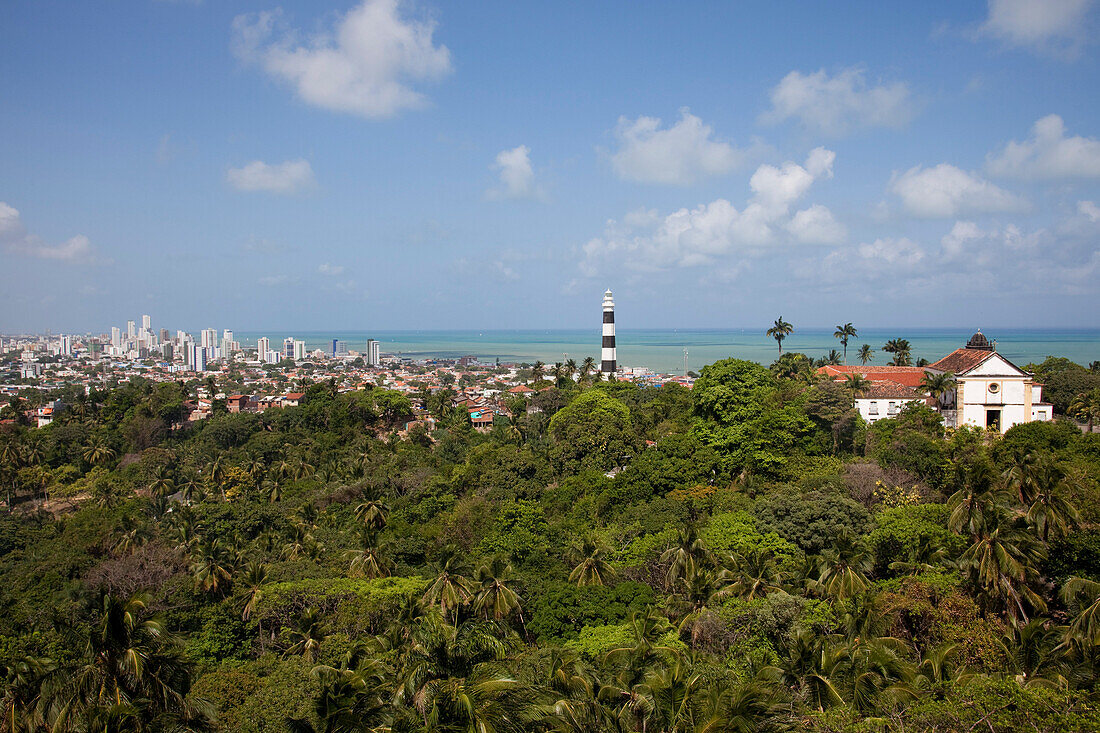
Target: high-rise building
{"points": [[116, 336], [209, 338], [196, 357], [66, 346], [374, 353], [263, 345], [147, 323], [299, 350], [607, 355], [131, 329], [288, 348], [164, 335]]}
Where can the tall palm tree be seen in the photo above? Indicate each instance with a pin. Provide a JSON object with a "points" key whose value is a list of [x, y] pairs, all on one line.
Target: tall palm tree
{"points": [[591, 565], [369, 560], [866, 354], [901, 350], [780, 331], [536, 371], [251, 584], [684, 556], [1086, 407], [1000, 564], [450, 589], [307, 634], [1082, 597], [372, 513], [162, 483], [98, 452], [753, 574], [587, 367], [131, 673], [843, 568], [570, 368], [212, 565], [496, 598], [937, 386], [21, 683], [354, 697], [844, 333], [857, 383]]}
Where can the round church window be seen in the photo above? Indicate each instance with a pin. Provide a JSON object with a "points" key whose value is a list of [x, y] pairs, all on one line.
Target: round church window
{"points": [[994, 387]]}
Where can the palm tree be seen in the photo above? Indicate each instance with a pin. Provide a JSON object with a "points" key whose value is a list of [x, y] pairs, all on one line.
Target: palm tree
{"points": [[450, 589], [900, 349], [251, 584], [212, 565], [1086, 407], [369, 560], [587, 367], [570, 368], [780, 331], [590, 562], [1082, 596], [754, 574], [536, 371], [937, 385], [866, 354], [308, 634], [162, 483], [131, 674], [496, 599], [372, 513], [844, 333], [98, 452], [999, 565], [683, 557], [843, 568], [11, 460], [857, 383], [22, 683], [356, 696], [1051, 513]]}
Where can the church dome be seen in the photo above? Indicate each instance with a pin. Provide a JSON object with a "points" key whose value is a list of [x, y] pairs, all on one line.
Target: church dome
{"points": [[978, 341]]}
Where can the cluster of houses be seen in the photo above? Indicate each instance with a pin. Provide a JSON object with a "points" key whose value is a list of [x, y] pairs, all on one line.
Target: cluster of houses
{"points": [[989, 391]]}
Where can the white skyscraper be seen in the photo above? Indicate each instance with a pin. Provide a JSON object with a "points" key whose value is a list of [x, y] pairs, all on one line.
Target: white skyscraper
{"points": [[263, 345], [116, 336], [147, 323], [131, 329], [299, 350], [209, 338], [374, 353], [607, 356]]}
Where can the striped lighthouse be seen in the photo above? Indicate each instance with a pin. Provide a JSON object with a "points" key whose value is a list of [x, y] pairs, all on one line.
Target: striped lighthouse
{"points": [[607, 363]]}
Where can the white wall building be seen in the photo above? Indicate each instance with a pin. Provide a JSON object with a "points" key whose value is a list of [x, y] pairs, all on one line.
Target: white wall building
{"points": [[991, 391]]}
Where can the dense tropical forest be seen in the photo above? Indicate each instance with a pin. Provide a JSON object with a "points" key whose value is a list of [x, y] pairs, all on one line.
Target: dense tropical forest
{"points": [[743, 556]]}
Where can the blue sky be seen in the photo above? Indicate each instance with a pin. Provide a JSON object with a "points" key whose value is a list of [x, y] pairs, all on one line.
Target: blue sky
{"points": [[383, 164]]}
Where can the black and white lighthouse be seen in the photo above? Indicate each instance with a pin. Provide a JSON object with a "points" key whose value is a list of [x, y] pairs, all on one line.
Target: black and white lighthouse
{"points": [[607, 363]]}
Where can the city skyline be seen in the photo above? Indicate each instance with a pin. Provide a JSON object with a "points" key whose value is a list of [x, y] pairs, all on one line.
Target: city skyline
{"points": [[494, 167]]}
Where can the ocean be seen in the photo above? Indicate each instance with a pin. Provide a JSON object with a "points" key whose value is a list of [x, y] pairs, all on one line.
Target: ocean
{"points": [[663, 350]]}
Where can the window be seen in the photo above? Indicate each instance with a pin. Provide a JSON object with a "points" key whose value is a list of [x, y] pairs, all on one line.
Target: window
{"points": [[994, 387], [873, 409], [892, 408]]}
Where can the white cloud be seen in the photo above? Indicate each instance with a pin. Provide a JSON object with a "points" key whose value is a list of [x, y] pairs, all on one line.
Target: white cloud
{"points": [[517, 177], [646, 241], [332, 270], [946, 191], [365, 65], [1089, 210], [15, 238], [680, 155], [289, 177], [275, 280], [816, 225], [1043, 25], [1048, 154], [834, 106]]}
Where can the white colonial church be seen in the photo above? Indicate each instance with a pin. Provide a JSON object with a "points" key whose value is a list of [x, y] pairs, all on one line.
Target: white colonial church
{"points": [[990, 392]]}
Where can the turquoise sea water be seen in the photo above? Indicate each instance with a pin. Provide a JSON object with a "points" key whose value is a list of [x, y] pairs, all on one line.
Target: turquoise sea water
{"points": [[663, 349]]}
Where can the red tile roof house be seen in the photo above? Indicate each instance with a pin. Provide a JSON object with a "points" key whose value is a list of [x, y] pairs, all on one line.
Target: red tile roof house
{"points": [[292, 399], [237, 403]]}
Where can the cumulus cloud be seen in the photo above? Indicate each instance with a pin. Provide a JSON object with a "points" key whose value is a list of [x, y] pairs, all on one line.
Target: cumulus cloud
{"points": [[517, 177], [1050, 25], [681, 154], [331, 270], [1048, 154], [645, 240], [15, 239], [945, 191], [816, 225], [365, 65], [289, 177], [835, 105], [1089, 210]]}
